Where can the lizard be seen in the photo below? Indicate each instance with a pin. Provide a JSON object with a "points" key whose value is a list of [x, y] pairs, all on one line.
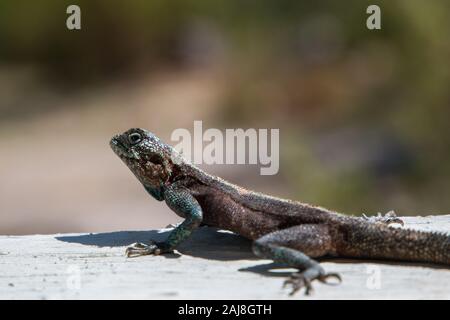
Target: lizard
{"points": [[288, 232]]}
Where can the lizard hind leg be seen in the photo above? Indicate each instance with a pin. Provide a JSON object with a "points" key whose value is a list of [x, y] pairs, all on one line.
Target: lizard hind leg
{"points": [[294, 247]]}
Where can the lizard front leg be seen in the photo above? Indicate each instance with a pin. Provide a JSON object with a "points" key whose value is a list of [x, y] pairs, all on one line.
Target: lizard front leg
{"points": [[180, 200], [294, 246]]}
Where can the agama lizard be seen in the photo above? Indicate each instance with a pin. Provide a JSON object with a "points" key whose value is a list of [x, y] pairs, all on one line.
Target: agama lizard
{"points": [[284, 231]]}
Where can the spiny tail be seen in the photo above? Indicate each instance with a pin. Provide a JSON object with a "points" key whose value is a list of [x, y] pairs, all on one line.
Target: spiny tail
{"points": [[371, 240]]}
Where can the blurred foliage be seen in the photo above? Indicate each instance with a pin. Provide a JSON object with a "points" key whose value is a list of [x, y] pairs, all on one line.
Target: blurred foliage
{"points": [[310, 68]]}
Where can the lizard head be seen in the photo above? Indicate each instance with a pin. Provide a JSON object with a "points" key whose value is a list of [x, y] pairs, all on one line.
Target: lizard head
{"points": [[146, 156]]}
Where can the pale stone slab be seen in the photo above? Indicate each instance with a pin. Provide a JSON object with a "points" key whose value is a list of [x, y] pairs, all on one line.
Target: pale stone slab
{"points": [[212, 265]]}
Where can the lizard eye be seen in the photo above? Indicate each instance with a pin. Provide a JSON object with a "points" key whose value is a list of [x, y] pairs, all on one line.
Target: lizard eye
{"points": [[134, 138]]}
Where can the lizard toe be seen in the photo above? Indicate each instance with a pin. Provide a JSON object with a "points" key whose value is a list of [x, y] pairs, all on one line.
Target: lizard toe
{"points": [[325, 277], [387, 219], [141, 249], [298, 281]]}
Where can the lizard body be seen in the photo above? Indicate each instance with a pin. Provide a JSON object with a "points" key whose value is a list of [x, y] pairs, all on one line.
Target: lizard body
{"points": [[285, 231]]}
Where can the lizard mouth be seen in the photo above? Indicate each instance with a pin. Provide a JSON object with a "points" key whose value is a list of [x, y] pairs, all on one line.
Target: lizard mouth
{"points": [[119, 148]]}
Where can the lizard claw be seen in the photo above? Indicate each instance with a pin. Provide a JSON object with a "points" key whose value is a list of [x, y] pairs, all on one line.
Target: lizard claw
{"points": [[141, 249], [300, 279], [324, 278], [387, 219]]}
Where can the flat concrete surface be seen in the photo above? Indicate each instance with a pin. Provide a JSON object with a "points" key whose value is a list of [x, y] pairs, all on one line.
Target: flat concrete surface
{"points": [[212, 265]]}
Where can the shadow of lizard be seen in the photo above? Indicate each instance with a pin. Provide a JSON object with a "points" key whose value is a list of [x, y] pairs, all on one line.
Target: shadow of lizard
{"points": [[206, 242]]}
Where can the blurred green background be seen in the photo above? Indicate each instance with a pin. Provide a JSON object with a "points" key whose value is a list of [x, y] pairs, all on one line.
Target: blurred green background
{"points": [[363, 115]]}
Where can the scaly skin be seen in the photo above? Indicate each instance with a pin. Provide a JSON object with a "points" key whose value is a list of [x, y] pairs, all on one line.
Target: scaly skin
{"points": [[285, 231]]}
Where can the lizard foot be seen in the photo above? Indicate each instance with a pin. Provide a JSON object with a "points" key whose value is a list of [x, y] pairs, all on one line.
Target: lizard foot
{"points": [[141, 249], [387, 219], [299, 280]]}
